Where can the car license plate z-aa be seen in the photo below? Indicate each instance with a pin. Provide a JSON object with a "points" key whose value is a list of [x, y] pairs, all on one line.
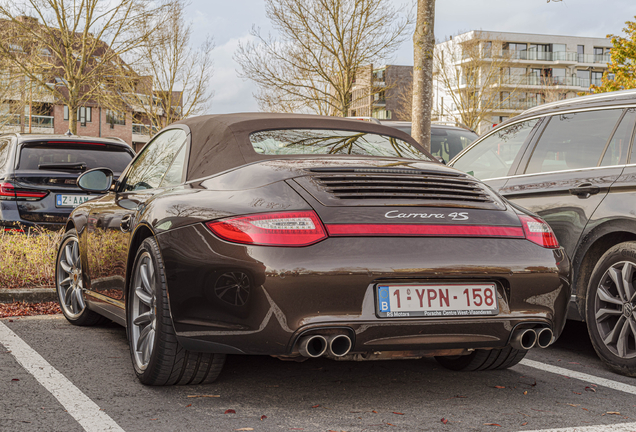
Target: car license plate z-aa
{"points": [[453, 300], [70, 200]]}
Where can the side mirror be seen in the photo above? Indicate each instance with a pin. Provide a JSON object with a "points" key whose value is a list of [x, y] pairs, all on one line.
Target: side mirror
{"points": [[96, 180]]}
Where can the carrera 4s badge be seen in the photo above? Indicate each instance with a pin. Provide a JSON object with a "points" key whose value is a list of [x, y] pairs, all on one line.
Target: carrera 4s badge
{"points": [[452, 216]]}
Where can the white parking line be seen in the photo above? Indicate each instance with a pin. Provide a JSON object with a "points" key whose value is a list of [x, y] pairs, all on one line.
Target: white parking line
{"points": [[621, 427], [615, 385], [78, 405]]}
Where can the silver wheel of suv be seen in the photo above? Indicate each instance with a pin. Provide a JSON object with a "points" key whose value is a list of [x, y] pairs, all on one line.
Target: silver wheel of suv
{"points": [[614, 309]]}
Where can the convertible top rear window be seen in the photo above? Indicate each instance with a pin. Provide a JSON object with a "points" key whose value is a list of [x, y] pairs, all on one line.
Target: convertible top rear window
{"points": [[331, 142]]}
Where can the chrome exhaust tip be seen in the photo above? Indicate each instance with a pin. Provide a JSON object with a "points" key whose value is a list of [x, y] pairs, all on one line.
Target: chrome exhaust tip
{"points": [[339, 345], [524, 339], [312, 346], [544, 337]]}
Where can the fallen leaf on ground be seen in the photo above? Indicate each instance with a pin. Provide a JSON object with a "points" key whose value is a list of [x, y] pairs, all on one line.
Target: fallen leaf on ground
{"points": [[574, 405], [193, 396], [28, 309], [523, 424], [15, 379], [525, 392], [229, 411], [492, 424], [398, 413], [244, 429], [444, 421], [500, 387], [315, 406], [613, 412], [374, 411], [188, 405], [263, 417], [576, 392], [590, 389]]}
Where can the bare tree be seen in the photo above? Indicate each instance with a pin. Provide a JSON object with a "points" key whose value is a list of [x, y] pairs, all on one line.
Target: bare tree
{"points": [[73, 49], [322, 45], [423, 50], [478, 77], [175, 78]]}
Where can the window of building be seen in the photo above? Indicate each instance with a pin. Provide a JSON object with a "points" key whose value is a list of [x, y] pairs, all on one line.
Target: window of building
{"points": [[115, 117], [382, 114], [573, 141], [84, 114], [597, 78]]}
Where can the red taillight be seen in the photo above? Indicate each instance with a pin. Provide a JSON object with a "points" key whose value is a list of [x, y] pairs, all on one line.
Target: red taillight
{"points": [[301, 228], [407, 230], [8, 190], [539, 232]]}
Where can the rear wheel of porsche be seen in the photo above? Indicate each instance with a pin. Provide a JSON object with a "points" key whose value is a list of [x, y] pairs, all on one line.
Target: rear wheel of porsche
{"points": [[157, 356], [69, 283], [480, 360], [610, 304]]}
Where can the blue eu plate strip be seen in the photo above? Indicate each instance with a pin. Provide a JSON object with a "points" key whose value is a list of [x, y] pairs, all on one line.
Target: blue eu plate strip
{"points": [[59, 200], [383, 299]]}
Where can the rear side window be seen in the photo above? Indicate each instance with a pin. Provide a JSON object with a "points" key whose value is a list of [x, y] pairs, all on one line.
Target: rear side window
{"points": [[448, 143], [493, 156], [5, 144], [73, 156], [616, 152], [573, 141]]}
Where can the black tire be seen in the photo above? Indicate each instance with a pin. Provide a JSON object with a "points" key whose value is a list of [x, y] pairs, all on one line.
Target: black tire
{"points": [[481, 360], [69, 283], [609, 308], [164, 361]]}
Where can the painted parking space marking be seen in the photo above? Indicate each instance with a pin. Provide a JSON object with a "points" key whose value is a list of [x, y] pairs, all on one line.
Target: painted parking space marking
{"points": [[76, 403], [615, 385], [621, 427]]}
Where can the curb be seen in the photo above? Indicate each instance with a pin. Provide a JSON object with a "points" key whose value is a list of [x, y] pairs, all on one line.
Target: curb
{"points": [[33, 295]]}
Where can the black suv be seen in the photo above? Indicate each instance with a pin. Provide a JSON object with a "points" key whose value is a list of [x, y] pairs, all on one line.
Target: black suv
{"points": [[38, 176], [573, 162]]}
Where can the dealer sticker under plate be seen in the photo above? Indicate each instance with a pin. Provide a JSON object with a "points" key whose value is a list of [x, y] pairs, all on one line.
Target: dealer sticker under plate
{"points": [[70, 200], [394, 301]]}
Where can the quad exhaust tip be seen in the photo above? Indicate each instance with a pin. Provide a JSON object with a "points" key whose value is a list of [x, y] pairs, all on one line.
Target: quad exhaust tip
{"points": [[339, 345], [524, 339], [312, 346], [544, 337]]}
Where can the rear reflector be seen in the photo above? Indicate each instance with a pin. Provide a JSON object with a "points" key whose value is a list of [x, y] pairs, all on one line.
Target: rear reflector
{"points": [[8, 190], [406, 230], [539, 232], [271, 229]]}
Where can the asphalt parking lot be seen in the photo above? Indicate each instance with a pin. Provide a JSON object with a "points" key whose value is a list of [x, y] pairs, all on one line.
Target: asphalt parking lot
{"points": [[90, 373]]}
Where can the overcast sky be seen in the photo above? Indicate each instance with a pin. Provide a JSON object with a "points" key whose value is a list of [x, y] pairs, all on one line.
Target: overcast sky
{"points": [[229, 21]]}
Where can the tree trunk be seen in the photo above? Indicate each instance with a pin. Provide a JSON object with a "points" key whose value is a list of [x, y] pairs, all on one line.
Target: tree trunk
{"points": [[72, 118], [423, 48]]}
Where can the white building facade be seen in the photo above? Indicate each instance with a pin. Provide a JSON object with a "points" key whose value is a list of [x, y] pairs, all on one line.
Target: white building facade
{"points": [[537, 68]]}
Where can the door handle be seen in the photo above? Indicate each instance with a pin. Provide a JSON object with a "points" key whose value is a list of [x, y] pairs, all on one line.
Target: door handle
{"points": [[124, 225], [585, 190]]}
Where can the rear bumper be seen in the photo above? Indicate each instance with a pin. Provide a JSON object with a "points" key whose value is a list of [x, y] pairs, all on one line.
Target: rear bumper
{"points": [[27, 214], [330, 286]]}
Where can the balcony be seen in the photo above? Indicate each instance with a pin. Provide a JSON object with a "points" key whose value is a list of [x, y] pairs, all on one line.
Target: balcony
{"points": [[143, 132], [559, 56], [39, 124]]}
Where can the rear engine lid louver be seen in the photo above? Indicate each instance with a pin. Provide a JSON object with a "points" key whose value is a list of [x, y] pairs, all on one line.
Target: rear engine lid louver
{"points": [[386, 186]]}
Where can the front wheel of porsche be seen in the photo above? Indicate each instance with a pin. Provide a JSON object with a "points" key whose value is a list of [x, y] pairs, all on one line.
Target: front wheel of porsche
{"points": [[157, 356], [69, 283], [610, 308]]}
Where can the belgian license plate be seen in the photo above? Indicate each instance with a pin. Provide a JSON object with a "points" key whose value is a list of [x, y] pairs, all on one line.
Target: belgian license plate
{"points": [[70, 200], [454, 300]]}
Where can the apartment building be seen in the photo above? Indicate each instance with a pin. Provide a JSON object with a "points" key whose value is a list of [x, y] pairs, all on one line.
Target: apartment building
{"points": [[381, 92], [536, 68]]}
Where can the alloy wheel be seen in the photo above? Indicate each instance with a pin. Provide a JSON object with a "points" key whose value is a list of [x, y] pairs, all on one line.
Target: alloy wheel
{"points": [[69, 279], [143, 310], [614, 309]]}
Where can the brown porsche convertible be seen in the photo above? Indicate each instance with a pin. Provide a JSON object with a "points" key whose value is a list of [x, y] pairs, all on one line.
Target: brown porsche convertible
{"points": [[306, 236]]}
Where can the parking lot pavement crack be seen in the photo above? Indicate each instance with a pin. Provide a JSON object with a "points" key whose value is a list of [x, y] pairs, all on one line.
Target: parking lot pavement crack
{"points": [[76, 403]]}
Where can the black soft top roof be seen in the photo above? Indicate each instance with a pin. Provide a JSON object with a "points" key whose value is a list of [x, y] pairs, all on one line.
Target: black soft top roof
{"points": [[221, 142]]}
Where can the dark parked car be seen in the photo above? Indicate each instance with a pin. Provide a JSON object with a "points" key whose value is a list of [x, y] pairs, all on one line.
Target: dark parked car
{"points": [[38, 175], [299, 235], [573, 162]]}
